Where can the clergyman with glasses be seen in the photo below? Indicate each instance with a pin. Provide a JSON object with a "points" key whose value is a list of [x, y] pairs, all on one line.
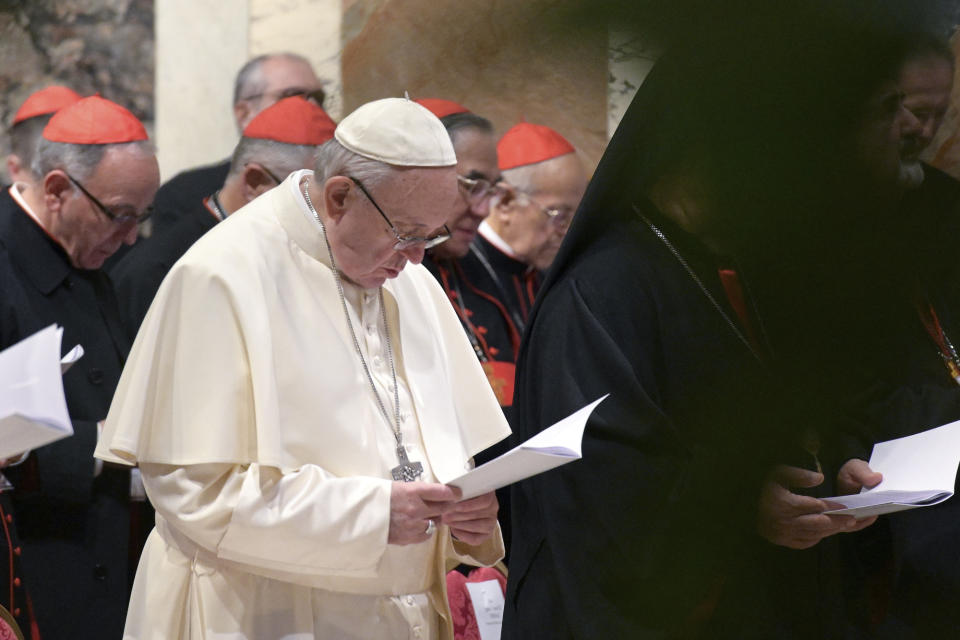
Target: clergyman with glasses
{"points": [[260, 82], [296, 398], [96, 177], [281, 139], [487, 324]]}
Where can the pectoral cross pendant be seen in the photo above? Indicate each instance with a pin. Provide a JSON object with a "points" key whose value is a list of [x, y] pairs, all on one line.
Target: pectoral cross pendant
{"points": [[406, 471]]}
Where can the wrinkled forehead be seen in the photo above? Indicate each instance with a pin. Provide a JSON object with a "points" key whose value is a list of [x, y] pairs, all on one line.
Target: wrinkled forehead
{"points": [[126, 173]]}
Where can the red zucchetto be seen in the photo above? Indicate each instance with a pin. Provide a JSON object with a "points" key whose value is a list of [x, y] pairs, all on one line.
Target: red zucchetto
{"points": [[527, 143], [292, 120], [94, 120], [442, 108], [45, 102]]}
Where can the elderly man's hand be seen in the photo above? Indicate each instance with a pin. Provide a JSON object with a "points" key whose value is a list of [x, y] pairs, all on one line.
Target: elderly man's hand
{"points": [[413, 505], [797, 521], [854, 475], [473, 521]]}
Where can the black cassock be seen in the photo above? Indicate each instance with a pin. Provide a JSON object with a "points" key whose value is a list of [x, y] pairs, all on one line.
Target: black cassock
{"points": [[74, 526], [179, 195], [138, 276], [908, 564]]}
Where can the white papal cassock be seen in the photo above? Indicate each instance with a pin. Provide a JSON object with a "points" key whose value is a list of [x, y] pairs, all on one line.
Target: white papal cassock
{"points": [[263, 449]]}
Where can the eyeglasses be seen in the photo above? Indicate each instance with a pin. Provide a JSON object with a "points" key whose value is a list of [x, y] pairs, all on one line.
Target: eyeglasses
{"points": [[272, 175], [477, 188], [317, 96], [405, 242], [560, 218], [123, 218]]}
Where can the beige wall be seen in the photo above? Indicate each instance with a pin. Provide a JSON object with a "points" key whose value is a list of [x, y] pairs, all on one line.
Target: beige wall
{"points": [[198, 58], [495, 58], [498, 58]]}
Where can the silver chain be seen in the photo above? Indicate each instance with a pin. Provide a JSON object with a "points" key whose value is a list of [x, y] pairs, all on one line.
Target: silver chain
{"points": [[217, 208], [696, 279], [356, 343]]}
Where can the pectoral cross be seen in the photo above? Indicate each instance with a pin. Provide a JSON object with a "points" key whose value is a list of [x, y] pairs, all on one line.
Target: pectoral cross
{"points": [[406, 471]]}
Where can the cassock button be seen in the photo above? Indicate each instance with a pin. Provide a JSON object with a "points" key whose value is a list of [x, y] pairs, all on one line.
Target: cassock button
{"points": [[16, 582], [17, 551], [100, 572], [16, 612], [9, 518], [95, 376]]}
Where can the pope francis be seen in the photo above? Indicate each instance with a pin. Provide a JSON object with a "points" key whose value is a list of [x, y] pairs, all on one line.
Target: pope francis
{"points": [[296, 397]]}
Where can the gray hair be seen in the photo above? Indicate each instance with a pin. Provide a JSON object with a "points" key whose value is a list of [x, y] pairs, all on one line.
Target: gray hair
{"points": [[79, 160], [333, 159], [279, 157], [524, 178], [250, 80], [25, 136]]}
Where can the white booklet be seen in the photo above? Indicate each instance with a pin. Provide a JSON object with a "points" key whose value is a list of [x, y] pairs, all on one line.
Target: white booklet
{"points": [[918, 471], [33, 409], [554, 446]]}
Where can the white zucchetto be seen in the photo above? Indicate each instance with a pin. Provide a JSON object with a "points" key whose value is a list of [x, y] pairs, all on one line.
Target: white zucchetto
{"points": [[397, 131]]}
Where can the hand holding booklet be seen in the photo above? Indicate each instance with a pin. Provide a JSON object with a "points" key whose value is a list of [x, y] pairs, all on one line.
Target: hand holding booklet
{"points": [[33, 410], [918, 471], [554, 446]]}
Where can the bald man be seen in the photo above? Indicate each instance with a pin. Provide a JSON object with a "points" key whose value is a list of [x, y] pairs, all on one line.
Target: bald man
{"points": [[260, 83]]}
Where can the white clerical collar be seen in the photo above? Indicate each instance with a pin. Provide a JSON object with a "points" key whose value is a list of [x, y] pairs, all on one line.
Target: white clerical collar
{"points": [[494, 238], [16, 192]]}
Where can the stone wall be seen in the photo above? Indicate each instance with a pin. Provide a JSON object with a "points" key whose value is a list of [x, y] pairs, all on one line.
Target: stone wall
{"points": [[103, 46]]}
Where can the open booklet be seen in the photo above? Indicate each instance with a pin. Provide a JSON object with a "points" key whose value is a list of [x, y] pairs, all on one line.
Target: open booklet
{"points": [[918, 471], [33, 409], [554, 446]]}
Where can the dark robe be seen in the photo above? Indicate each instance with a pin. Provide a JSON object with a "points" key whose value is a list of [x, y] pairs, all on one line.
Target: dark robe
{"points": [[179, 195], [909, 566], [74, 526], [13, 584], [138, 276], [652, 534]]}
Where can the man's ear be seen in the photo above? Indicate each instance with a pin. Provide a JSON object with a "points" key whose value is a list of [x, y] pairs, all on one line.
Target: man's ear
{"points": [[242, 113], [256, 181], [335, 192], [14, 166], [56, 189]]}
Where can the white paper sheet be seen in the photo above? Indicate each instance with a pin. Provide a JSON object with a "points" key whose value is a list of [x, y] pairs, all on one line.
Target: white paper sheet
{"points": [[33, 410], [918, 471], [487, 600], [72, 356], [554, 446]]}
